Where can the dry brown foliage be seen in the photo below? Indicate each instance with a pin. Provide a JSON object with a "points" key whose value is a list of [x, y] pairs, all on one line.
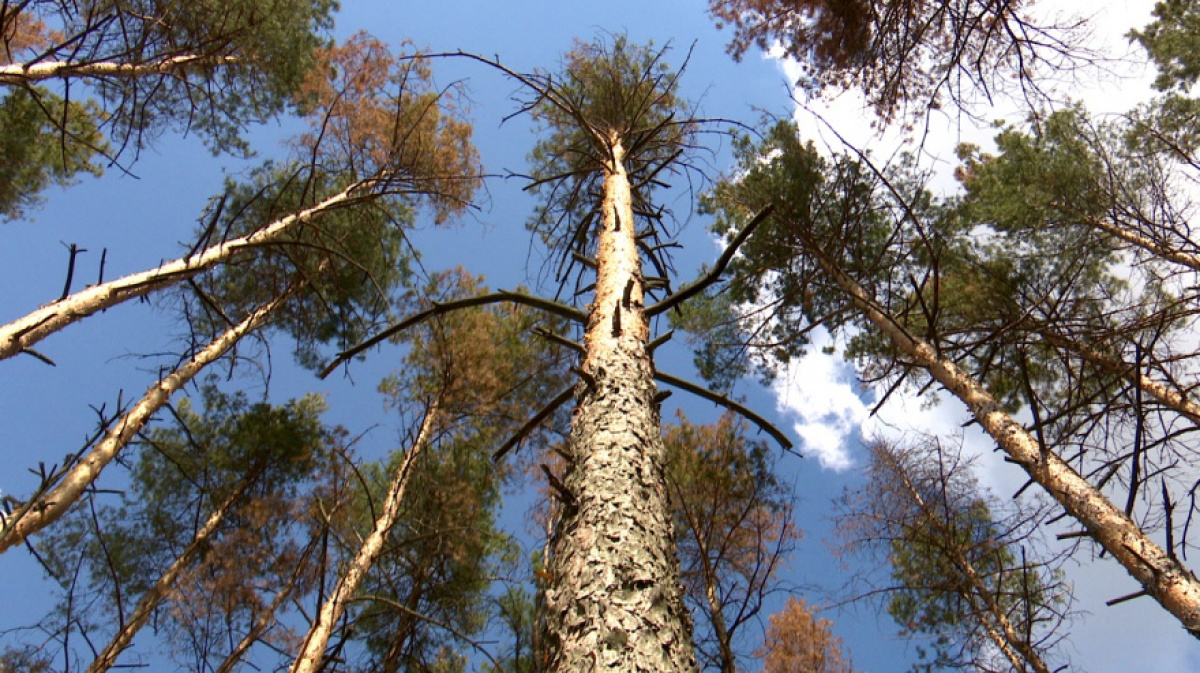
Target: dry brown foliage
{"points": [[799, 642], [374, 114]]}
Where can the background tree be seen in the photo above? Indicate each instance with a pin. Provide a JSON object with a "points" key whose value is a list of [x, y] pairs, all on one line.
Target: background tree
{"points": [[380, 133], [907, 53], [381, 147], [798, 642], [965, 572], [733, 515], [926, 291], [419, 594], [213, 68], [216, 499]]}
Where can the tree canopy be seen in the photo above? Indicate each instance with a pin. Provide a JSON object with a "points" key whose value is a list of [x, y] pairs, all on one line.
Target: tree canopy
{"points": [[482, 479]]}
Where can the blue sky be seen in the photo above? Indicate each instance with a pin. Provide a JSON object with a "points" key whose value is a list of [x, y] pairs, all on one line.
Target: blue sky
{"points": [[145, 218]]}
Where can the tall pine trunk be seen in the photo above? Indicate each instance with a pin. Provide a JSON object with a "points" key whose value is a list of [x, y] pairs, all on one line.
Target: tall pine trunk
{"points": [[615, 600]]}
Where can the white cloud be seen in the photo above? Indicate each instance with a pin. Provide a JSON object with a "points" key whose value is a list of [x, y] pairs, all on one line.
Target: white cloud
{"points": [[822, 390]]}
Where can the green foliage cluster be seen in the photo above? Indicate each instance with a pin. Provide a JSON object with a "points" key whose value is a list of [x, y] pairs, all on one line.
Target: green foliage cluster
{"points": [[247, 58], [264, 457], [251, 57], [836, 203], [957, 565], [609, 94], [349, 262], [1171, 41], [959, 272], [37, 152]]}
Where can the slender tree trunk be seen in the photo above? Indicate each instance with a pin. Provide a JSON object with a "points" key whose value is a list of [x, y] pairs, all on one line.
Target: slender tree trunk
{"points": [[158, 593], [24, 332], [1160, 573], [265, 618], [53, 504], [311, 655], [728, 663], [261, 623], [615, 601], [1016, 649], [709, 577], [21, 73]]}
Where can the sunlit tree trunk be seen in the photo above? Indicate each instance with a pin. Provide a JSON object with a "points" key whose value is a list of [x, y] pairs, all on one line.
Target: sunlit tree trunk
{"points": [[615, 601], [50, 506], [313, 652], [262, 622], [1160, 573], [26, 331], [21, 73]]}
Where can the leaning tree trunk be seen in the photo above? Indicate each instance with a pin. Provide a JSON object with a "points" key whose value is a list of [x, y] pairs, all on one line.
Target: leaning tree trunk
{"points": [[615, 601], [312, 654], [46, 508], [984, 601], [157, 594], [1162, 575]]}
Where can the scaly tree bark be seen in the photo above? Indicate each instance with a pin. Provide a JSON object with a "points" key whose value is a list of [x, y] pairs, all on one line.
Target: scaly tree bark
{"points": [[615, 600]]}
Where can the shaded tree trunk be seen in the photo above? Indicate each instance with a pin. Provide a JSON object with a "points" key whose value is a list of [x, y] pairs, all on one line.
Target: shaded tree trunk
{"points": [[157, 594], [615, 600]]}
